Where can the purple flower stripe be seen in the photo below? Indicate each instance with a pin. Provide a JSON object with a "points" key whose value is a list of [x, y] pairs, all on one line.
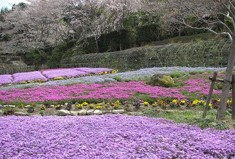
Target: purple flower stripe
{"points": [[67, 73], [109, 137], [28, 76], [5, 79], [45, 75]]}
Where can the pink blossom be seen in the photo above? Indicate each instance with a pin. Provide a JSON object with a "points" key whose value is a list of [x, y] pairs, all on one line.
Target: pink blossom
{"points": [[28, 76], [5, 79], [67, 73], [117, 90], [201, 86]]}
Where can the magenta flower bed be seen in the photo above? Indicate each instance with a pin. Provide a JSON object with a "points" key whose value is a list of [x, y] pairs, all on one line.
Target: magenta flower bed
{"points": [[201, 86], [118, 90], [5, 79], [94, 70], [109, 137], [66, 73], [28, 76]]}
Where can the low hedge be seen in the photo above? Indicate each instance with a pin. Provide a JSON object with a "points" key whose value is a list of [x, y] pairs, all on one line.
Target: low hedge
{"points": [[194, 54]]}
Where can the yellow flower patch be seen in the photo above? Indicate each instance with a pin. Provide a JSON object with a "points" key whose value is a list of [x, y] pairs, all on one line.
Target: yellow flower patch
{"points": [[146, 103], [58, 78], [84, 104], [182, 102], [175, 101], [98, 107], [79, 106]]}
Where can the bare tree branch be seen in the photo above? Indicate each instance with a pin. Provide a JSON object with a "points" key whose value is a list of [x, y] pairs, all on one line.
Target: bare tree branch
{"points": [[207, 28], [230, 18], [232, 5]]}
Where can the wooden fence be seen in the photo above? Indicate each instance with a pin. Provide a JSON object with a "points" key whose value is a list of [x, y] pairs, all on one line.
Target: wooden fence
{"points": [[213, 80]]}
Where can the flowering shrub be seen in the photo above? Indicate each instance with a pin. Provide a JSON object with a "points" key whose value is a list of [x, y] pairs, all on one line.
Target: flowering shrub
{"points": [[182, 102], [66, 73], [98, 107], [110, 136], [175, 101], [146, 103], [28, 77], [58, 78], [84, 104], [5, 79], [91, 106]]}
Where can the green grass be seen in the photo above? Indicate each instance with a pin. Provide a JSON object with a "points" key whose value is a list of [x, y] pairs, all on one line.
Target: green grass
{"points": [[1, 102], [218, 85], [193, 117], [117, 78], [179, 78], [178, 74], [144, 97], [195, 72]]}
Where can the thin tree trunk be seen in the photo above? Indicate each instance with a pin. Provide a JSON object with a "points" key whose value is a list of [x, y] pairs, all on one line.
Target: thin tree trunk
{"points": [[97, 45], [227, 83]]}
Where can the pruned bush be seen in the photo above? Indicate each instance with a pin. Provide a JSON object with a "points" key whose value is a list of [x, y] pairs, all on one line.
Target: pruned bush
{"points": [[161, 80]]}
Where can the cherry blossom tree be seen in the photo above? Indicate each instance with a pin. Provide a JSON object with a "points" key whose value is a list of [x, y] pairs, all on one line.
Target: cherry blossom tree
{"points": [[108, 15], [50, 21], [39, 23], [118, 10]]}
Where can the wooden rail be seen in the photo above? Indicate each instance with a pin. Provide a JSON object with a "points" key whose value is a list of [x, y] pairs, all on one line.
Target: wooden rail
{"points": [[213, 80]]}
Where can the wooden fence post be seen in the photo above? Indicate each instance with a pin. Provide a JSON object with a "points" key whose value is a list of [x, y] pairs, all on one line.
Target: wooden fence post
{"points": [[233, 97], [210, 94]]}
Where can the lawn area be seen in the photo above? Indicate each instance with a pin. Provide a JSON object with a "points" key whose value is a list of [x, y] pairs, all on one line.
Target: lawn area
{"points": [[193, 117]]}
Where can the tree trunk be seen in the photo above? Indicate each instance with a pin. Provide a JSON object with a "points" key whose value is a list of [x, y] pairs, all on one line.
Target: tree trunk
{"points": [[97, 45], [120, 46], [227, 83]]}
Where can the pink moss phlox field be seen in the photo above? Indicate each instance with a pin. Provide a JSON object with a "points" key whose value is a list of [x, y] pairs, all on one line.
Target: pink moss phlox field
{"points": [[5, 79], [67, 73], [28, 76], [117, 90], [109, 137], [45, 75], [199, 85], [94, 70]]}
